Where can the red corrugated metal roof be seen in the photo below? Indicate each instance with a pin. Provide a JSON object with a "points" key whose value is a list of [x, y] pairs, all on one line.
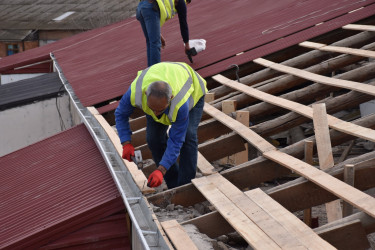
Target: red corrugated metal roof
{"points": [[54, 187], [101, 64], [108, 233]]}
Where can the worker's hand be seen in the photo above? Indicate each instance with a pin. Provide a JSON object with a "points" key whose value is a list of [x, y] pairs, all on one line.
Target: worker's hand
{"points": [[127, 151], [187, 46], [155, 179], [162, 41]]}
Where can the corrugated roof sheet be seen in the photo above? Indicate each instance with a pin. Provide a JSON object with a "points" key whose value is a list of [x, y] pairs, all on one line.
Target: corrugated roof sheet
{"points": [[14, 35], [52, 187], [30, 90], [108, 233], [101, 64]]}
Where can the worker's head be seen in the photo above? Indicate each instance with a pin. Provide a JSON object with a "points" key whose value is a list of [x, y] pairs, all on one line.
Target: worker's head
{"points": [[159, 95], [188, 1]]}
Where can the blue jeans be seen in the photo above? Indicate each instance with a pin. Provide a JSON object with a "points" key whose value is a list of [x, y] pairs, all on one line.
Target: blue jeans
{"points": [[183, 172], [150, 22]]}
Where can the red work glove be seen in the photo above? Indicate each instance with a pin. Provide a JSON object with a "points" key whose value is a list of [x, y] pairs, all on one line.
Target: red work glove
{"points": [[155, 179], [127, 151]]}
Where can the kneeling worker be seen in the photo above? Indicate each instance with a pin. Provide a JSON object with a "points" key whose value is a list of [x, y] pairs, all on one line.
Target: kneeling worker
{"points": [[170, 94]]}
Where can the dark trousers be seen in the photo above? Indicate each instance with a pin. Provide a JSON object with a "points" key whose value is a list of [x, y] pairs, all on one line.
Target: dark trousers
{"points": [[149, 18], [184, 171]]}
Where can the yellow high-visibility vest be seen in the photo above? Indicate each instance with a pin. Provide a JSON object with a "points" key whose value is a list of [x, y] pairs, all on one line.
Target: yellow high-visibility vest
{"points": [[186, 85], [167, 10]]}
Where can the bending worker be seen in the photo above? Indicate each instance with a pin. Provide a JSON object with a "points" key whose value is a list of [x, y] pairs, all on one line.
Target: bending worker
{"points": [[152, 14], [169, 94]]}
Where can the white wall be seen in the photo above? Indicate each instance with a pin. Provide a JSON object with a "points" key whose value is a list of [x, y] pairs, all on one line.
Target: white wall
{"points": [[9, 78], [22, 126]]}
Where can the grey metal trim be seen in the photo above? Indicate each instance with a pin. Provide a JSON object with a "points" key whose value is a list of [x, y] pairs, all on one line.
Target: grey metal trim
{"points": [[146, 234]]}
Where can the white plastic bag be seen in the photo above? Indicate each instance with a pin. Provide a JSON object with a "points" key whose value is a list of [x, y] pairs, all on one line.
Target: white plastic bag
{"points": [[198, 44]]}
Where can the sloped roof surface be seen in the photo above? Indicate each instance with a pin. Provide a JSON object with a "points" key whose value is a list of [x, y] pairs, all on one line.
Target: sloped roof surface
{"points": [[55, 185], [29, 90], [39, 14], [101, 64], [11, 35]]}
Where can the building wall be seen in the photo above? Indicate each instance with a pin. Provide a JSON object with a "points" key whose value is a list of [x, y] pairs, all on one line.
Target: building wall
{"points": [[22, 46], [45, 37], [57, 34], [22, 126], [16, 77]]}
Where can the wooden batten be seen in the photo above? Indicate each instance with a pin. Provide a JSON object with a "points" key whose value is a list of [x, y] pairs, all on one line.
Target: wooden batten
{"points": [[278, 99], [178, 235], [360, 27], [349, 175], [309, 152], [138, 176], [270, 224], [360, 87], [333, 122], [323, 143], [205, 166], [343, 50]]}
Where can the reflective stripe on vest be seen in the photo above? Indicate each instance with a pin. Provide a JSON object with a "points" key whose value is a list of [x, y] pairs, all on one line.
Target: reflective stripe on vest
{"points": [[166, 12], [138, 89], [180, 95]]}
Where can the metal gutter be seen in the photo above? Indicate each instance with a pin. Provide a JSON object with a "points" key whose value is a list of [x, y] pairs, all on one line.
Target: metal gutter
{"points": [[146, 234]]}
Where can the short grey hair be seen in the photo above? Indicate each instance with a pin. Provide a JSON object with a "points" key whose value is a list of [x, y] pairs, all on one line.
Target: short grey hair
{"points": [[159, 89]]}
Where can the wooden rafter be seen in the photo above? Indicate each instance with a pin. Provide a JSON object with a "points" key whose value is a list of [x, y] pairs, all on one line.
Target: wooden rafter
{"points": [[360, 27], [306, 111], [356, 86], [324, 47], [344, 191]]}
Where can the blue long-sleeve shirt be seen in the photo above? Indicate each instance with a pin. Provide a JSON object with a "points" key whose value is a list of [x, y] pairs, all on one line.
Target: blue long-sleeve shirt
{"points": [[177, 131], [182, 18]]}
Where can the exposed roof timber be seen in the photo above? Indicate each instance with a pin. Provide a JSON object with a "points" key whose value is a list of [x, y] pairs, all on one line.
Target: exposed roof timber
{"points": [[323, 47], [258, 170], [359, 27], [292, 194], [254, 216], [353, 196], [302, 61], [303, 110], [364, 88]]}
